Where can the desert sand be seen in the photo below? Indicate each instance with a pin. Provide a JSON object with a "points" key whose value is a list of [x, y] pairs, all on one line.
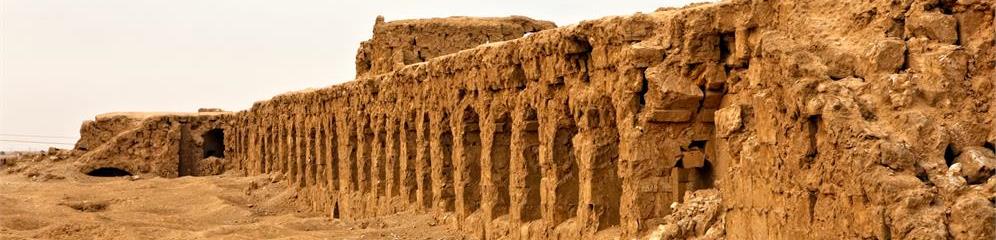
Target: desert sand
{"points": [[45, 197]]}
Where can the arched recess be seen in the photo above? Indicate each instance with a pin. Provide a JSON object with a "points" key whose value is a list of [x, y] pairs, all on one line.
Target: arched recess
{"points": [[311, 160], [444, 190], [108, 172], [424, 171], [532, 174], [292, 153], [332, 172], [354, 179], [380, 162], [410, 154], [565, 171], [470, 161], [394, 157], [321, 165], [264, 150], [366, 158], [501, 154], [599, 162], [301, 153]]}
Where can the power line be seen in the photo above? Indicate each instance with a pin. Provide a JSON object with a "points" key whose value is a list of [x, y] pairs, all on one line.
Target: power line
{"points": [[20, 141], [34, 136]]}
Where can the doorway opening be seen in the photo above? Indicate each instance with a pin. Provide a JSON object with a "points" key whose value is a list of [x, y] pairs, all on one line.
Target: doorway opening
{"points": [[214, 143]]}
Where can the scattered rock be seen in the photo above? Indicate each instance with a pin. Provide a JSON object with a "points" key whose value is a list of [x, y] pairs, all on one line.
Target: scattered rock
{"points": [[212, 165], [699, 217], [973, 217], [977, 164], [87, 206], [888, 55]]}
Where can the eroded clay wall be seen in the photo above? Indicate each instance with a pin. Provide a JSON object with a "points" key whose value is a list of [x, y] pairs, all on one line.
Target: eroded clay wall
{"points": [[96, 132], [812, 119], [163, 144], [398, 43]]}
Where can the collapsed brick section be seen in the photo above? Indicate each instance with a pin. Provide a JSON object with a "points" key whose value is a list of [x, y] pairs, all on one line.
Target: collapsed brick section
{"points": [[104, 127], [164, 144], [873, 123], [398, 43]]}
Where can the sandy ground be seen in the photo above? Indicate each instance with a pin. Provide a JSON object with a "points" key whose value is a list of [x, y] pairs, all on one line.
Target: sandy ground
{"points": [[48, 199]]}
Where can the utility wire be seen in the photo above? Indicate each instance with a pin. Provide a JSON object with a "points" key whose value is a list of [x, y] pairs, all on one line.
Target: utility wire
{"points": [[20, 141], [34, 136]]}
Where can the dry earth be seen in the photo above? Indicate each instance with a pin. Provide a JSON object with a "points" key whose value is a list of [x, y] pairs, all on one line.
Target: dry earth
{"points": [[45, 197]]}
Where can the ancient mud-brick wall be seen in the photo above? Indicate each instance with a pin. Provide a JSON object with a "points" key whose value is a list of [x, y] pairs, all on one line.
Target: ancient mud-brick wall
{"points": [[812, 119], [398, 43], [163, 144], [104, 127]]}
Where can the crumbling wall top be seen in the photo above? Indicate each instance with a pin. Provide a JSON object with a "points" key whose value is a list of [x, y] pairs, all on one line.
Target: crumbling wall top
{"points": [[398, 43]]}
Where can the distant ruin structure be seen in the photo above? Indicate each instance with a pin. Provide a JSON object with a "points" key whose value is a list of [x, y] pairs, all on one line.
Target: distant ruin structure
{"points": [[810, 119]]}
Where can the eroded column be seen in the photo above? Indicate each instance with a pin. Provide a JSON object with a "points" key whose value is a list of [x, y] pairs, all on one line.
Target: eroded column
{"points": [[598, 154], [560, 179]]}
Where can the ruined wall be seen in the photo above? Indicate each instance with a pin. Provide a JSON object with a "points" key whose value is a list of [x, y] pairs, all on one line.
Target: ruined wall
{"points": [[94, 133], [801, 119], [398, 43], [861, 126], [163, 144]]}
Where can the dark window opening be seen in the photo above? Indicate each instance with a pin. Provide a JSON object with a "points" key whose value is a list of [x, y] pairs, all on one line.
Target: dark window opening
{"points": [[698, 144], [950, 155], [335, 211], [214, 143], [108, 172], [705, 177]]}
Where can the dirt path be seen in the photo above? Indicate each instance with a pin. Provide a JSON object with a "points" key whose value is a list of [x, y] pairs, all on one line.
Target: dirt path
{"points": [[59, 203]]}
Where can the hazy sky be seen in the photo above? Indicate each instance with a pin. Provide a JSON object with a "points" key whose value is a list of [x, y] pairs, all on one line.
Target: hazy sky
{"points": [[64, 61]]}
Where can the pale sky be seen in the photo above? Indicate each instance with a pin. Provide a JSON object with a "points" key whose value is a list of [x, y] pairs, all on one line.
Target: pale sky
{"points": [[65, 61]]}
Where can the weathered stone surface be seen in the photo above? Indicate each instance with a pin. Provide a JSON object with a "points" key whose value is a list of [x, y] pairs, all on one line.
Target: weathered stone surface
{"points": [[672, 90], [934, 26], [670, 116], [887, 55], [977, 164], [163, 144], [398, 43], [728, 120]]}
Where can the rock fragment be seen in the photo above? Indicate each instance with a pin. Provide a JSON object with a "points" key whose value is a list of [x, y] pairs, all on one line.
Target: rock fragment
{"points": [[978, 164], [934, 26], [728, 120]]}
